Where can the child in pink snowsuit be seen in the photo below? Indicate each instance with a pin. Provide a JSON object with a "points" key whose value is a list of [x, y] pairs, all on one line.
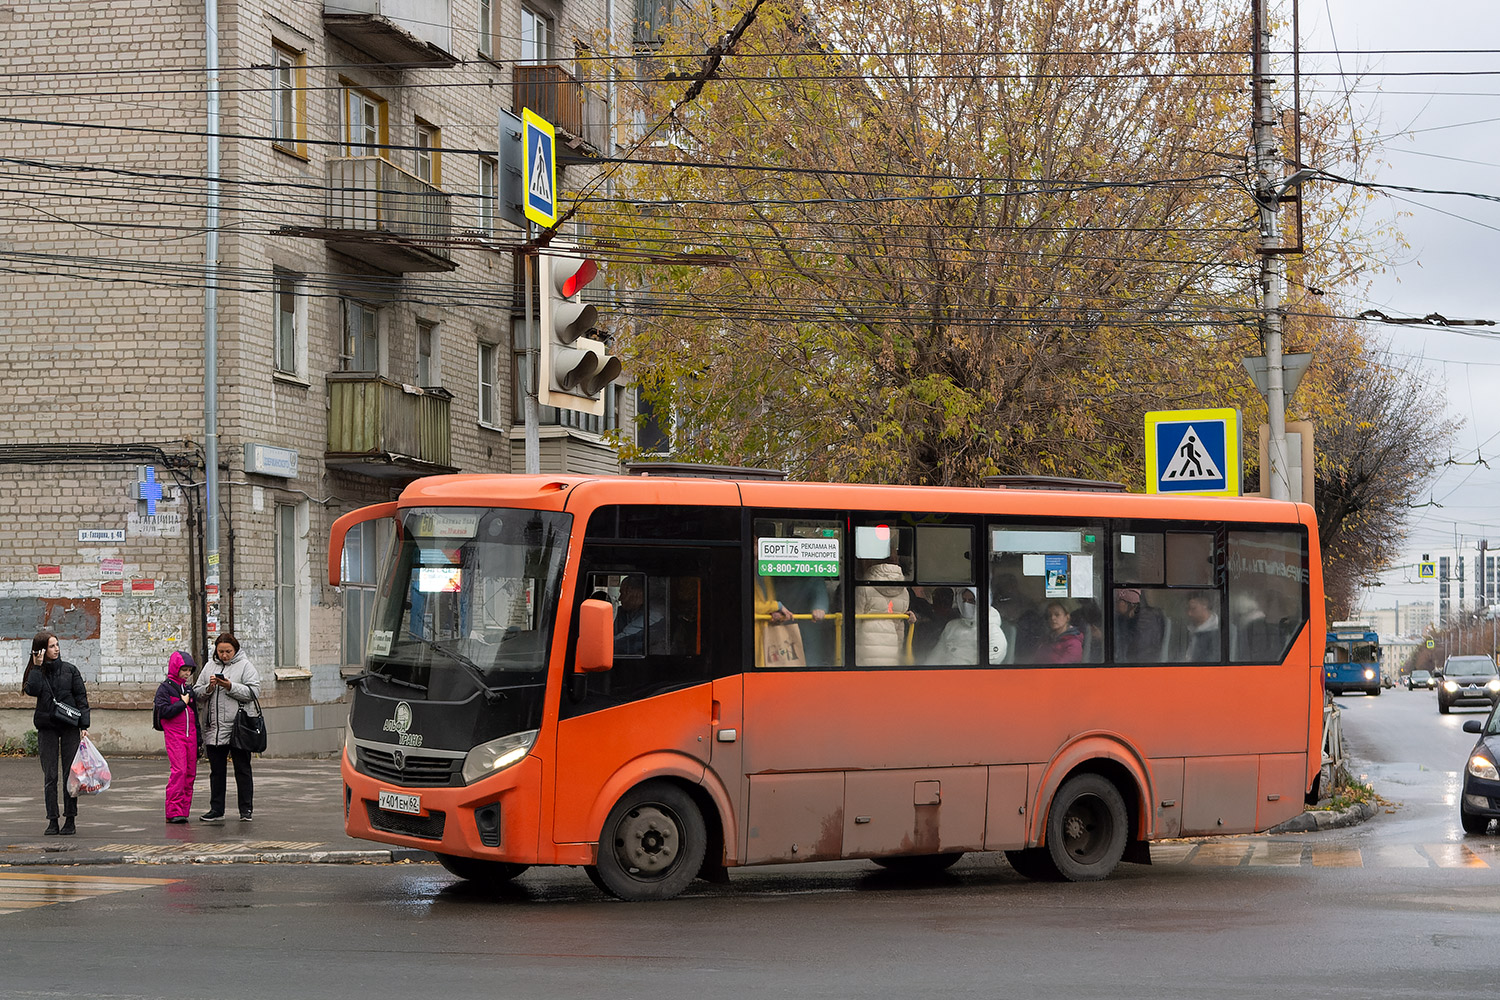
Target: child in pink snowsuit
{"points": [[179, 725]]}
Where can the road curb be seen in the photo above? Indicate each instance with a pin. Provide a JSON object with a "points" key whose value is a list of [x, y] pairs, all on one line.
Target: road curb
{"points": [[1326, 819], [247, 857]]}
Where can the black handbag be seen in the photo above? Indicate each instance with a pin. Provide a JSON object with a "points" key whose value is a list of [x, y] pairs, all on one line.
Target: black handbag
{"points": [[62, 713], [249, 732]]}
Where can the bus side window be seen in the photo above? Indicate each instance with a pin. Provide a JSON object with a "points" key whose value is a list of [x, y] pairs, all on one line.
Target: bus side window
{"points": [[797, 616]]}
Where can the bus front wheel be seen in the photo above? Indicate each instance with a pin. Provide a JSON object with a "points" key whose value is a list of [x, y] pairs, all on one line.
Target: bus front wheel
{"points": [[652, 844], [1087, 828], [488, 874]]}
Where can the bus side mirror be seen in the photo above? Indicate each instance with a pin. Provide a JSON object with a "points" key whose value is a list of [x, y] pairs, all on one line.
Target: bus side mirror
{"points": [[596, 637]]}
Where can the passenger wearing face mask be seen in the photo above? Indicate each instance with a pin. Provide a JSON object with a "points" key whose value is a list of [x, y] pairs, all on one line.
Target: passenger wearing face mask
{"points": [[959, 643]]}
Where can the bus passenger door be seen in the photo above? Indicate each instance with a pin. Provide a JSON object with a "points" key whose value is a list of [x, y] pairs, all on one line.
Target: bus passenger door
{"points": [[726, 759], [652, 712]]}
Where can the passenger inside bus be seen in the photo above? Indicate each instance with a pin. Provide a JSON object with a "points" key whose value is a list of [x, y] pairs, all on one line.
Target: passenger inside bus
{"points": [[881, 617], [1202, 628], [1063, 642], [1140, 629], [959, 643]]}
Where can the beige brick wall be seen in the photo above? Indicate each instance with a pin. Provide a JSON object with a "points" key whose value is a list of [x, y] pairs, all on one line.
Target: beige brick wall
{"points": [[102, 331]]}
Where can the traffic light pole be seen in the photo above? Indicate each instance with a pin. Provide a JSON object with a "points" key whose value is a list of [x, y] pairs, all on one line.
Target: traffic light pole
{"points": [[530, 378]]}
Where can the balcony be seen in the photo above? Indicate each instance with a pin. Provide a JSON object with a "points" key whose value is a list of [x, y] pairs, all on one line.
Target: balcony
{"points": [[385, 217], [579, 114], [386, 430], [397, 32]]}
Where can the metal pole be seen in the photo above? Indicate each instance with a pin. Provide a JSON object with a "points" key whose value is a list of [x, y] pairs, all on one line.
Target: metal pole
{"points": [[1268, 194], [211, 330], [533, 416]]}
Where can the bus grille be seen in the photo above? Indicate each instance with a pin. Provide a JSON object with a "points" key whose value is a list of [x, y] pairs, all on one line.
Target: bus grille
{"points": [[417, 770], [429, 827]]}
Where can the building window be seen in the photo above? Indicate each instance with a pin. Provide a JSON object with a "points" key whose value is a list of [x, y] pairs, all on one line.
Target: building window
{"points": [[364, 123], [427, 373], [535, 36], [653, 429], [359, 576], [291, 553], [288, 99], [489, 179], [291, 321], [429, 154], [361, 349], [486, 27], [489, 355]]}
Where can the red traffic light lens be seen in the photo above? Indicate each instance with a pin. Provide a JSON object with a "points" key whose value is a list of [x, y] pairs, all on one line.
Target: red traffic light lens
{"points": [[573, 284]]}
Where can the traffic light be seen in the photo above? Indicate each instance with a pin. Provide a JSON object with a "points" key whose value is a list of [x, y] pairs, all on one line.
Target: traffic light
{"points": [[574, 368]]}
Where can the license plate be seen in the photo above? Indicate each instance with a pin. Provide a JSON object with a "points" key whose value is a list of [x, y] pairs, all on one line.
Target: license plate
{"points": [[396, 802]]}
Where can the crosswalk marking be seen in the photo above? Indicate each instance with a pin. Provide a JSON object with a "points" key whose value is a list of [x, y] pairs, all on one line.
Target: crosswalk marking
{"points": [[1231, 853], [21, 891]]}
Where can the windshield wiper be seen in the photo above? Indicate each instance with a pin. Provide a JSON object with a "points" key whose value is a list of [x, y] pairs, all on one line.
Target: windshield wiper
{"points": [[473, 669], [389, 679]]}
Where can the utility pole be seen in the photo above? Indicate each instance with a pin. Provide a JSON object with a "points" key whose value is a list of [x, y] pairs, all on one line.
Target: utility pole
{"points": [[1268, 191]]}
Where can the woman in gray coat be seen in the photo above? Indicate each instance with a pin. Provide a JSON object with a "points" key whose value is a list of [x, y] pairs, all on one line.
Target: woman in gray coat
{"points": [[229, 682]]}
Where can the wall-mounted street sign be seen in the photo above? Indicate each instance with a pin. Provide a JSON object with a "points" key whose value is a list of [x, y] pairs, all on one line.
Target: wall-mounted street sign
{"points": [[1193, 452], [541, 168]]}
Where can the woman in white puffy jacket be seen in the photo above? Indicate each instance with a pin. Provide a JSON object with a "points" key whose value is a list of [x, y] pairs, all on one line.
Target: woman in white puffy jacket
{"points": [[959, 643], [880, 642]]}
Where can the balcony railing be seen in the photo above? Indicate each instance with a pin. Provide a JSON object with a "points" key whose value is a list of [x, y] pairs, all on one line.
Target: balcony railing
{"points": [[397, 32], [555, 94], [381, 428], [381, 214]]}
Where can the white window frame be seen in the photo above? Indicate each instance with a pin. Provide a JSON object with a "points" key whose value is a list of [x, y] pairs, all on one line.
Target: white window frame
{"points": [[358, 344], [489, 193], [427, 357], [288, 95], [429, 157], [486, 43], [293, 587], [289, 327], [364, 123], [489, 388], [536, 36]]}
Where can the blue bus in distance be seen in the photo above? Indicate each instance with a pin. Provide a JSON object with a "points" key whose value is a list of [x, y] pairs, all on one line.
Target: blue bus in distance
{"points": [[1351, 659]]}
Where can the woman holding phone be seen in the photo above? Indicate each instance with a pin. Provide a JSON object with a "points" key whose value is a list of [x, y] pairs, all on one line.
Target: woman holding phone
{"points": [[55, 682], [229, 682]]}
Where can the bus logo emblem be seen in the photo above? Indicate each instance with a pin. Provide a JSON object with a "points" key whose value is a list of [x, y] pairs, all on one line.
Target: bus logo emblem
{"points": [[402, 718], [400, 760]]}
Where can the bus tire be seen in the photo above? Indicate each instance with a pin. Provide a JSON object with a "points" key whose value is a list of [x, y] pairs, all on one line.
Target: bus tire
{"points": [[1087, 828], [919, 865], [1374, 692], [1034, 863], [489, 874], [652, 844]]}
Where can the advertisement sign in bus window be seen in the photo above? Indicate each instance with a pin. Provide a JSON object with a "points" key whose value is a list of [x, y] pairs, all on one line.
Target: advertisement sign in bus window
{"points": [[797, 556], [439, 579]]}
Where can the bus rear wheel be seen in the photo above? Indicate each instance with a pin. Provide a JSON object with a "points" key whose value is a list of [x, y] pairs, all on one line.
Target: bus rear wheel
{"points": [[652, 844], [919, 865], [489, 874], [1087, 828]]}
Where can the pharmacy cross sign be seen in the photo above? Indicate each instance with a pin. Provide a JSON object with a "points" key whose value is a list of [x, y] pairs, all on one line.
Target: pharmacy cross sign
{"points": [[148, 489]]}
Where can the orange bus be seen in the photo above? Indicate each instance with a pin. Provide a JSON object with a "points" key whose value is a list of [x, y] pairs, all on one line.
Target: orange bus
{"points": [[660, 678]]}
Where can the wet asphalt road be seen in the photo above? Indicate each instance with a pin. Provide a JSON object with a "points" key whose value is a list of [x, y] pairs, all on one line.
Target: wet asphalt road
{"points": [[1402, 906]]}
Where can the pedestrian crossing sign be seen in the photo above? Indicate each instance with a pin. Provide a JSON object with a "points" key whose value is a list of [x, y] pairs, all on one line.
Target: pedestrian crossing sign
{"points": [[539, 140], [1193, 452]]}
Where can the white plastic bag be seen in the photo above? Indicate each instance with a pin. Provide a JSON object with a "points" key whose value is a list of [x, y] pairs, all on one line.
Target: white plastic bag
{"points": [[89, 774]]}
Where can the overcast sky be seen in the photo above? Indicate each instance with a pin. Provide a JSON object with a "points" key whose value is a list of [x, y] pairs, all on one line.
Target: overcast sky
{"points": [[1438, 108]]}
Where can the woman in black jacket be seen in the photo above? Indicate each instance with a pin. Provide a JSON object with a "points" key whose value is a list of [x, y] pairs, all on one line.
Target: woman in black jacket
{"points": [[51, 679]]}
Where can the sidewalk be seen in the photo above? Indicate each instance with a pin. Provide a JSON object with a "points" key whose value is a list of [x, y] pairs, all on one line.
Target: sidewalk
{"points": [[299, 818]]}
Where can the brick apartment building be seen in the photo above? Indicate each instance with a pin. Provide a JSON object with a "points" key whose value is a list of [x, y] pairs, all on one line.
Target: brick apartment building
{"points": [[368, 316]]}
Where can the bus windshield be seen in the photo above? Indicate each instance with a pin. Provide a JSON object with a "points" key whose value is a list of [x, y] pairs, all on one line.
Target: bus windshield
{"points": [[468, 605]]}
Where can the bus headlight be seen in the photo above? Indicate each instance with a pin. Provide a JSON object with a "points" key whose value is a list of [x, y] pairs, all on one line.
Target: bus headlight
{"points": [[1450, 686], [1482, 767], [496, 755], [1369, 674]]}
